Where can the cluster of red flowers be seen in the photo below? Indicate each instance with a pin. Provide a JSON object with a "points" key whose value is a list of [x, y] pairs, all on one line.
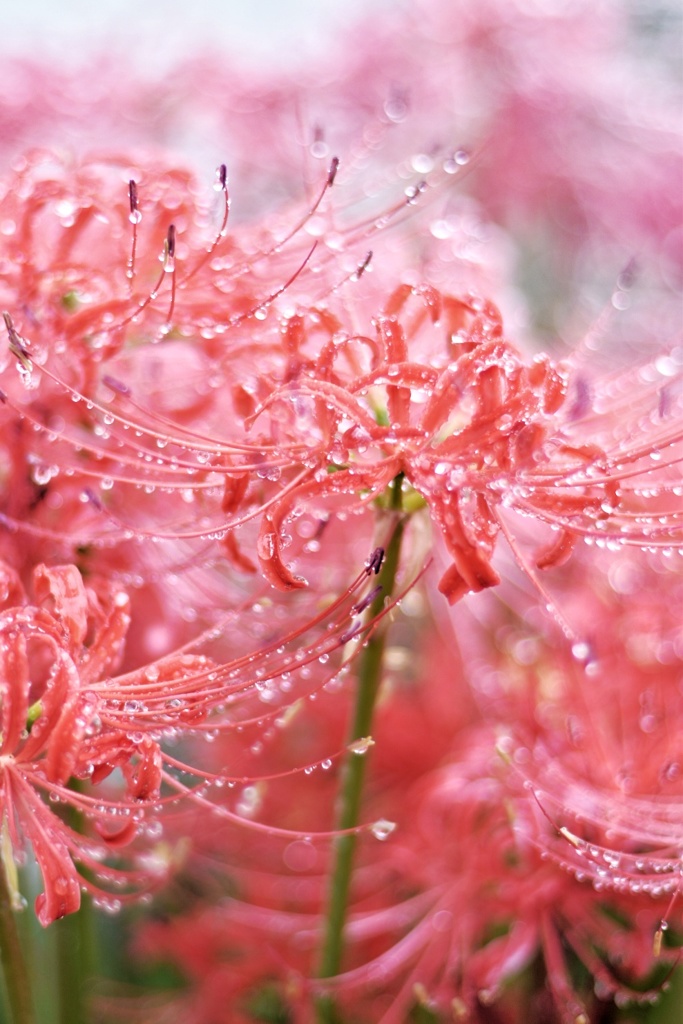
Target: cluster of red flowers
{"points": [[208, 435]]}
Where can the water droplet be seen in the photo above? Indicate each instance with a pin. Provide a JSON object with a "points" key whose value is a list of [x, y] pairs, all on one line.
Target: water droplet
{"points": [[422, 163], [581, 650], [382, 829], [361, 746], [266, 546]]}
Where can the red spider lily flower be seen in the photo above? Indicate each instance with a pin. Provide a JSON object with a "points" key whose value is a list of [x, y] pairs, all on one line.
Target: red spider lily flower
{"points": [[65, 717], [477, 432], [81, 274], [474, 431], [438, 395], [51, 654]]}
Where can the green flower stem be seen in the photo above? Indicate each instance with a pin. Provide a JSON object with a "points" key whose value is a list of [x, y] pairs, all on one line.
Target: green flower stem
{"points": [[369, 680], [76, 944], [17, 988]]}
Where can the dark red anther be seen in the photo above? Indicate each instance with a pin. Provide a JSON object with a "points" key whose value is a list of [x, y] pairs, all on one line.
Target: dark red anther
{"points": [[223, 177], [332, 174], [582, 403], [627, 278], [16, 342], [170, 241], [366, 601], [11, 331], [93, 499], [115, 385], [374, 563], [133, 196], [362, 267], [354, 629]]}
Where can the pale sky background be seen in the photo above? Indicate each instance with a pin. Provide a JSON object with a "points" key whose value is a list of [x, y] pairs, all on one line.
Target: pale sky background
{"points": [[283, 31], [159, 30]]}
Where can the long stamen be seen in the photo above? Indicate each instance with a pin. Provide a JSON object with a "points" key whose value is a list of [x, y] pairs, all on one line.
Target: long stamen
{"points": [[135, 216], [221, 186]]}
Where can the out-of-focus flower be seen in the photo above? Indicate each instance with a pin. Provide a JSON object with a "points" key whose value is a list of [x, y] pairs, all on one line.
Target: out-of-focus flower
{"points": [[593, 726], [579, 121], [491, 905], [455, 912], [550, 836]]}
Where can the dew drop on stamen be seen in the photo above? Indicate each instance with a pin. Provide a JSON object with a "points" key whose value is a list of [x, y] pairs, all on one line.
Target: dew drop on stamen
{"points": [[395, 108], [361, 746], [422, 163], [581, 651], [382, 829]]}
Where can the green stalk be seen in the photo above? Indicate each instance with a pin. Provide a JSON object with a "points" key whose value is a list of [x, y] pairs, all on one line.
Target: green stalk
{"points": [[76, 944], [74, 941], [369, 680], [17, 988]]}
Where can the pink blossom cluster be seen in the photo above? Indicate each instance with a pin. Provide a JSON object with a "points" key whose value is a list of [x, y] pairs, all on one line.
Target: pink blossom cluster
{"points": [[218, 398]]}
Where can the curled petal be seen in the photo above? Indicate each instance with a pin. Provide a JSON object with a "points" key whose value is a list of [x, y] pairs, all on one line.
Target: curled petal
{"points": [[47, 835], [11, 590], [121, 837], [63, 586], [110, 627], [403, 375], [235, 555], [557, 553], [334, 348], [144, 779], [471, 548], [393, 339], [429, 295], [62, 894], [454, 584], [60, 690], [550, 381], [270, 560], [64, 745], [336, 398], [14, 689], [234, 490], [350, 481]]}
